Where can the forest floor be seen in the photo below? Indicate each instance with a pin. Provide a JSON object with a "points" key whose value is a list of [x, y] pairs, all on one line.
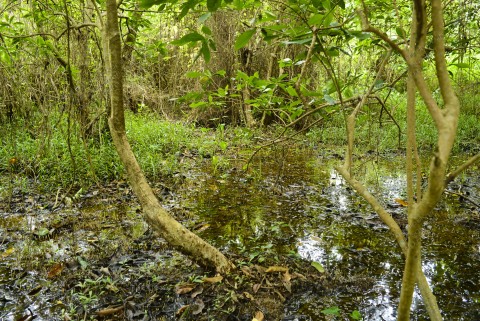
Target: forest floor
{"points": [[89, 255]]}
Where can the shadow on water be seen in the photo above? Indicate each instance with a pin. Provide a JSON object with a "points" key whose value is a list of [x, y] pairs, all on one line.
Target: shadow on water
{"points": [[302, 206]]}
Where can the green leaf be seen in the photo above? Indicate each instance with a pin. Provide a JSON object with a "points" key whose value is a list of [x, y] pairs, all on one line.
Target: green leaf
{"points": [[244, 38], [316, 19], [355, 315], [205, 51], [194, 74], [331, 311], [206, 30], [400, 32], [319, 268], [461, 65], [291, 91], [213, 5], [204, 17], [191, 37]]}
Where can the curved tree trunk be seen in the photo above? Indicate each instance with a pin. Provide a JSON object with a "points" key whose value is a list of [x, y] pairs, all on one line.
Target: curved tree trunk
{"points": [[158, 218]]}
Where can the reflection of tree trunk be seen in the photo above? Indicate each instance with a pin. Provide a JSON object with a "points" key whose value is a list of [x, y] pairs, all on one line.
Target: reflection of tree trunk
{"points": [[246, 62], [160, 220]]}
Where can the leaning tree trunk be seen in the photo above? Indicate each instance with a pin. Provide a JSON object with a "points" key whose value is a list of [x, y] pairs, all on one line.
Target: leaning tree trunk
{"points": [[158, 218]]}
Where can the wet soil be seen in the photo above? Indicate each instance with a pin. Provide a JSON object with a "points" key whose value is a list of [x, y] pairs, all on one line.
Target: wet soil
{"points": [[306, 247]]}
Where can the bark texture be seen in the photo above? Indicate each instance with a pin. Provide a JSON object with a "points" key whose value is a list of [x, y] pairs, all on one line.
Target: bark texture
{"points": [[158, 218]]}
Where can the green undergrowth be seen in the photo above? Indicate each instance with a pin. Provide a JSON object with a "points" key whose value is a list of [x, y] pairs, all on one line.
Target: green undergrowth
{"points": [[59, 159]]}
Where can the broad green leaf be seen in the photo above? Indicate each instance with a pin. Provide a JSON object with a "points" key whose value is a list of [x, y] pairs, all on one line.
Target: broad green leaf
{"points": [[400, 32], [291, 91], [318, 266], [461, 65], [244, 38], [213, 5], [205, 50], [186, 7], [194, 74], [191, 37], [206, 30], [355, 315], [316, 19], [332, 311]]}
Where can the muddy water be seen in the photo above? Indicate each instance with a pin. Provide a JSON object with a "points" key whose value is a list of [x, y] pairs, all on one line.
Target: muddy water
{"points": [[289, 205], [304, 208]]}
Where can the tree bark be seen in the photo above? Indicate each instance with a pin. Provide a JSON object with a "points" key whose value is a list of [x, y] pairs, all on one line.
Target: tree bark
{"points": [[158, 218]]}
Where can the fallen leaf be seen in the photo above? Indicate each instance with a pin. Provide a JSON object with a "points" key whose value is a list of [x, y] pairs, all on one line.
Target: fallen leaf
{"points": [[272, 269], [401, 202], [197, 291], [8, 252], [109, 310], [318, 266], [246, 270], [256, 287], [181, 310], [183, 290], [215, 279], [35, 290], [197, 307], [55, 270], [258, 316], [288, 286], [287, 277], [248, 296]]}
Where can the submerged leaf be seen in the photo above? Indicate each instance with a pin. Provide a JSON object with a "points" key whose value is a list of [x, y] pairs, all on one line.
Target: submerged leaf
{"points": [[318, 266]]}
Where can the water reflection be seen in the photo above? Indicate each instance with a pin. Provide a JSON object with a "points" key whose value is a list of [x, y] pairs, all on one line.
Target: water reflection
{"points": [[313, 212]]}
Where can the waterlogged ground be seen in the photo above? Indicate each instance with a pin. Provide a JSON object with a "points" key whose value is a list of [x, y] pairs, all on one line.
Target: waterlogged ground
{"points": [[91, 256]]}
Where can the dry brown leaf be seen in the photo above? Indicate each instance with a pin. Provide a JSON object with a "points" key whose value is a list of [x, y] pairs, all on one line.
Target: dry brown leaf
{"points": [[183, 290], [288, 286], [109, 311], [215, 279], [55, 270], [258, 316], [246, 270], [287, 277], [256, 287], [182, 309], [401, 202], [274, 268]]}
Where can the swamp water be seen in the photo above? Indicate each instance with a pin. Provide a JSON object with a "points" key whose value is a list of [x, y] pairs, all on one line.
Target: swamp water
{"points": [[293, 205]]}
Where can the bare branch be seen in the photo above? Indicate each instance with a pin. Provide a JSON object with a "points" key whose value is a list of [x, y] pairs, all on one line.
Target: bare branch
{"points": [[452, 175]]}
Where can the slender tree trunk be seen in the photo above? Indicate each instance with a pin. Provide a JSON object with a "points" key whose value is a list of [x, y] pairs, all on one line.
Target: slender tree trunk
{"points": [[158, 218]]}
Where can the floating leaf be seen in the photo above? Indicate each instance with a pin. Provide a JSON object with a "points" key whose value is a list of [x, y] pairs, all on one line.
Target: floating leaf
{"points": [[184, 289], [215, 279], [355, 315], [318, 266], [401, 202], [332, 311], [258, 316], [8, 252]]}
